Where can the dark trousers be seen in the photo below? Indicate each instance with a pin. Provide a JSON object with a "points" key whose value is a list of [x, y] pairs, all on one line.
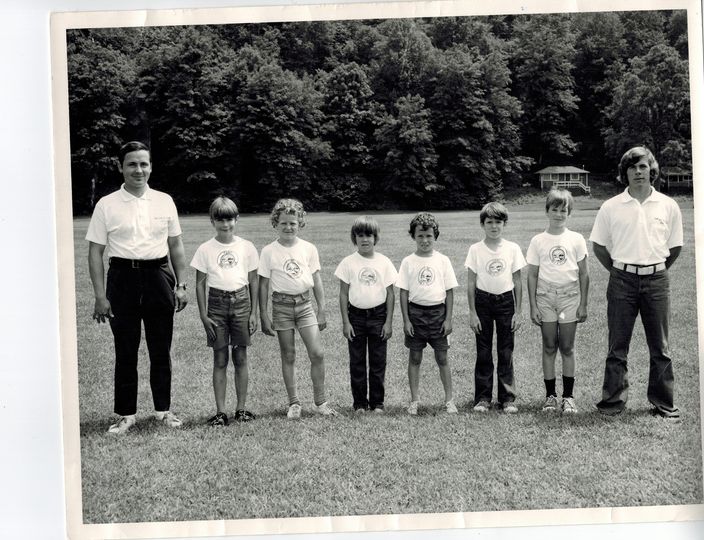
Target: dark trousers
{"points": [[367, 325], [494, 309], [136, 295], [627, 295]]}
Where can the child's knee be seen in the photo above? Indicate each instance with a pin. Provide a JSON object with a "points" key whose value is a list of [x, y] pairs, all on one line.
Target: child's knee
{"points": [[415, 357], [317, 357], [220, 358], [550, 346], [441, 358], [567, 349], [239, 356]]}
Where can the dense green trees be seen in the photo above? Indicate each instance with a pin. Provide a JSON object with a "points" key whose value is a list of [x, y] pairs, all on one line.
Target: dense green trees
{"points": [[403, 113]]}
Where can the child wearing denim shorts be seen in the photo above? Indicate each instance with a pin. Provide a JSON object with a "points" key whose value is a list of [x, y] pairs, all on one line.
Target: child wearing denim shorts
{"points": [[426, 281], [494, 293], [558, 285], [290, 268], [227, 266], [367, 307]]}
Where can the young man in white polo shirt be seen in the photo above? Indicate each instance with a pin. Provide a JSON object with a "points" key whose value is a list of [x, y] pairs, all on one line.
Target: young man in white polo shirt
{"points": [[637, 236], [138, 227]]}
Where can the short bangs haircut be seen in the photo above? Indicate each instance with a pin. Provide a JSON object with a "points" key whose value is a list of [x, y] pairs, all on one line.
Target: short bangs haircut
{"points": [[292, 207], [364, 225], [223, 208], [633, 156], [557, 198], [132, 146], [493, 210], [424, 220]]}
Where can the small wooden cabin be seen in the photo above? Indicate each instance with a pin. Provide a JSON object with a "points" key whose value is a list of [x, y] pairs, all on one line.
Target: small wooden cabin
{"points": [[675, 177], [566, 177]]}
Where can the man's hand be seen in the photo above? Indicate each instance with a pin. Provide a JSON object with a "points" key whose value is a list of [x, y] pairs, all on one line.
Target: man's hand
{"points": [[181, 299], [102, 311]]}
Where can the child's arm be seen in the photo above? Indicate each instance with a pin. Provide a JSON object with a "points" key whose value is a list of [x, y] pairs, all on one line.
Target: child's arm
{"points": [[319, 294], [347, 329], [474, 322], [387, 329], [403, 301], [518, 299], [449, 304], [532, 281], [583, 290], [263, 311], [202, 300], [253, 279]]}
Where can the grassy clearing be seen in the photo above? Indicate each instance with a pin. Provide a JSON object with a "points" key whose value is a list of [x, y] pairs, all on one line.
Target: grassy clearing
{"points": [[391, 464]]}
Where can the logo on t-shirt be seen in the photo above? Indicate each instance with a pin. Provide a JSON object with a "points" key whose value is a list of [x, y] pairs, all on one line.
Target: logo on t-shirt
{"points": [[367, 276], [558, 255], [227, 259], [292, 268], [426, 276], [495, 267]]}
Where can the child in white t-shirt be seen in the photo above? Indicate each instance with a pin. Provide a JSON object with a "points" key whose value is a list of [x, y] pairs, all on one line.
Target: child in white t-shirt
{"points": [[367, 307], [558, 285], [227, 265], [426, 281], [494, 293]]}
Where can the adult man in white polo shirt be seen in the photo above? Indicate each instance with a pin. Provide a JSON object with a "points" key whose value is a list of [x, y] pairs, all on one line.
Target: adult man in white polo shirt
{"points": [[139, 227], [637, 236]]}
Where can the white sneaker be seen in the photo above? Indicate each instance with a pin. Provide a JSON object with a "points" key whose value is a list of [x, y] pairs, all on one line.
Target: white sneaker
{"points": [[123, 425], [294, 411], [325, 409], [509, 408], [169, 419], [569, 406], [413, 408], [482, 407], [450, 407], [378, 410]]}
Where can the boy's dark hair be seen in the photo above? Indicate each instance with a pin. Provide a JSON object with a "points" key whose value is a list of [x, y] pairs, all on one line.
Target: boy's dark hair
{"points": [[493, 210], [288, 206], [223, 208], [364, 225], [557, 198], [424, 220], [631, 157], [132, 146]]}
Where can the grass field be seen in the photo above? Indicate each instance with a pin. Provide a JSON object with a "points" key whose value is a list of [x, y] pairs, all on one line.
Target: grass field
{"points": [[394, 463]]}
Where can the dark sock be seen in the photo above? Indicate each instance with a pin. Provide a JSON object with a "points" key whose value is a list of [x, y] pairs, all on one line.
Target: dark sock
{"points": [[550, 387], [567, 386]]}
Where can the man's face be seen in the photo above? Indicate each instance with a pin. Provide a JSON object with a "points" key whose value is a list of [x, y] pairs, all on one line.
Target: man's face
{"points": [[639, 174], [135, 169]]}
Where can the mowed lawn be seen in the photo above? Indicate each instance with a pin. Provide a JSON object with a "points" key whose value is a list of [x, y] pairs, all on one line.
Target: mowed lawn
{"points": [[389, 464]]}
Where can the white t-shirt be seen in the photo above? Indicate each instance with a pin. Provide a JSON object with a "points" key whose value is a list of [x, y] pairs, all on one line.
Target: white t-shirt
{"points": [[495, 269], [290, 269], [226, 265], [426, 278], [134, 227], [557, 256], [368, 278], [636, 233]]}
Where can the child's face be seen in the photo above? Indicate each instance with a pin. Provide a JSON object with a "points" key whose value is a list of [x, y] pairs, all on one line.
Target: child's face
{"points": [[224, 226], [493, 228], [364, 243], [425, 240], [287, 227], [558, 215]]}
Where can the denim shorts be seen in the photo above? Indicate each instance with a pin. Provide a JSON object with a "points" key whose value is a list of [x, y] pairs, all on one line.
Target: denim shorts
{"points": [[557, 303], [427, 327], [289, 311], [230, 311]]}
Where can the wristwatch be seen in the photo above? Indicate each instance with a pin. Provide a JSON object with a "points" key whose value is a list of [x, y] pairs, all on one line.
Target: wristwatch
{"points": [[180, 286]]}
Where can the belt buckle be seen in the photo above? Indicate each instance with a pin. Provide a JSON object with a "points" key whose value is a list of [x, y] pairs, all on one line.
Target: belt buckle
{"points": [[135, 263]]}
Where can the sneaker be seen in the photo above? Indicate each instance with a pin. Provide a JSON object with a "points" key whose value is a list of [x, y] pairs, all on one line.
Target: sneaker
{"points": [[413, 408], [450, 407], [169, 419], [673, 417], [294, 411], [550, 404], [569, 406], [509, 407], [482, 406], [220, 419], [379, 410], [325, 409], [244, 416], [123, 425], [360, 411]]}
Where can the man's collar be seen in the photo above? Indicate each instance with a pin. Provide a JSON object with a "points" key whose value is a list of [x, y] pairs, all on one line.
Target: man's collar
{"points": [[127, 196], [655, 195]]}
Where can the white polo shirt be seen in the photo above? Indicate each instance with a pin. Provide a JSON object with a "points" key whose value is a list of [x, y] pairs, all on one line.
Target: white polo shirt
{"points": [[134, 227], [290, 268], [636, 233]]}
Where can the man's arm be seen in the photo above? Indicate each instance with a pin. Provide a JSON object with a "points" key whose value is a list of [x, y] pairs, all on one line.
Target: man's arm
{"points": [[674, 253], [101, 310], [178, 261], [601, 253]]}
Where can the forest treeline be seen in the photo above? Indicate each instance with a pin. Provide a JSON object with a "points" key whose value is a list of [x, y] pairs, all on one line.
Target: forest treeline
{"points": [[375, 114]]}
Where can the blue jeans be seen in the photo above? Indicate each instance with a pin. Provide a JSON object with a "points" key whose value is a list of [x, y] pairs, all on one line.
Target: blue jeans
{"points": [[367, 325], [494, 309], [627, 295]]}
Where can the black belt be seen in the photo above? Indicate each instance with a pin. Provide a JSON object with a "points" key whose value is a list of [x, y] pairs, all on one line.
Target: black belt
{"points": [[119, 262]]}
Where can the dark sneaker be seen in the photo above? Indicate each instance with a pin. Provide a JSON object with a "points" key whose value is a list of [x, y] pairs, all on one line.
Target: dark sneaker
{"points": [[550, 404], [123, 425], [244, 416], [219, 419], [670, 417]]}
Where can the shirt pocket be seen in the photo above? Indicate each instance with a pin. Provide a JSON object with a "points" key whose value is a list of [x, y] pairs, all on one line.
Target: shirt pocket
{"points": [[159, 227], [659, 230]]}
